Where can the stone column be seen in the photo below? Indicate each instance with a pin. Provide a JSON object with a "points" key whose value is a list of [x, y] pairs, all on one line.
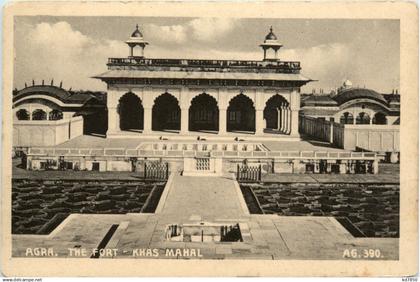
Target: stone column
{"points": [[294, 130], [375, 166], [286, 120], [222, 121], [331, 132], [278, 119], [259, 104], [259, 121], [294, 113], [113, 120], [184, 120], [147, 125], [222, 103], [283, 118]]}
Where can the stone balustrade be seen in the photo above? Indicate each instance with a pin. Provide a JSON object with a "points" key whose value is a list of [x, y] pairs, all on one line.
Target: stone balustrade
{"points": [[122, 152], [208, 65]]}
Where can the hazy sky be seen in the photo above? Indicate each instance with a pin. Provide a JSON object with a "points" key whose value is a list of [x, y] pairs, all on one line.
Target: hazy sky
{"points": [[73, 49]]}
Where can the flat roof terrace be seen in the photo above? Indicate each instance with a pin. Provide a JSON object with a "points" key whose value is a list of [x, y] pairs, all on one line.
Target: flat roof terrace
{"points": [[273, 66], [268, 73]]}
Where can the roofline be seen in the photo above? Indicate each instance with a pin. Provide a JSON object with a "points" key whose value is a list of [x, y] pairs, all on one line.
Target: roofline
{"points": [[45, 97], [371, 100]]}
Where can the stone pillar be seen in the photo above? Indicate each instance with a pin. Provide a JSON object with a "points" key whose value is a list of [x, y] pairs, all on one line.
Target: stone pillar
{"points": [[343, 168], [287, 121], [331, 132], [147, 125], [222, 121], [184, 120], [375, 166], [294, 113], [223, 103], [278, 119], [259, 121], [113, 120], [294, 123], [259, 104], [282, 111]]}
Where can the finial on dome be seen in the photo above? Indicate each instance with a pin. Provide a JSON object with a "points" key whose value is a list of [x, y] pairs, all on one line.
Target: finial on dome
{"points": [[271, 28], [137, 26]]}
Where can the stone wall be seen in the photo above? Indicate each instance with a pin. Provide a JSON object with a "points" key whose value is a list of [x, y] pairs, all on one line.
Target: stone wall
{"points": [[316, 128], [28, 133], [369, 137], [382, 138]]}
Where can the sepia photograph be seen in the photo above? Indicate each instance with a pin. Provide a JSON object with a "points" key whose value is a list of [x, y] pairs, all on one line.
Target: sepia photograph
{"points": [[197, 137]]}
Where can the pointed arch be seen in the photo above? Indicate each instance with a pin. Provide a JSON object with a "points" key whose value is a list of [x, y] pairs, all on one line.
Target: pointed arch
{"points": [[346, 118], [273, 111], [379, 118], [166, 113], [131, 112], [22, 114], [55, 115], [363, 118], [241, 114], [39, 114], [203, 113]]}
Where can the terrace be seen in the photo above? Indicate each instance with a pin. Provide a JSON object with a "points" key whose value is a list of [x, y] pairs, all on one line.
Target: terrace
{"points": [[137, 63]]}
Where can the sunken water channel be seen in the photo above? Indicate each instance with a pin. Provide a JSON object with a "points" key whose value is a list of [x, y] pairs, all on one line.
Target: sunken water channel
{"points": [[38, 207], [365, 210], [204, 232]]}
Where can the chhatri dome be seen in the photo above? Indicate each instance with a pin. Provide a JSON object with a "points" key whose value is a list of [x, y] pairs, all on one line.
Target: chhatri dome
{"points": [[347, 84], [270, 46], [136, 41], [137, 32], [270, 35]]}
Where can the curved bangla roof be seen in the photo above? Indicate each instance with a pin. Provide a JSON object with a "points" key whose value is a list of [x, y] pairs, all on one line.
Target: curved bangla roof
{"points": [[358, 93], [50, 90], [67, 97]]}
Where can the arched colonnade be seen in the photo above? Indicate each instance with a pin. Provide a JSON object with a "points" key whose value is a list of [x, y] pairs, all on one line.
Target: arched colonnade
{"points": [[203, 113]]}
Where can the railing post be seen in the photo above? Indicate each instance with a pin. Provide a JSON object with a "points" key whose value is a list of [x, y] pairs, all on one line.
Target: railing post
{"points": [[237, 172], [145, 171], [259, 173], [167, 170]]}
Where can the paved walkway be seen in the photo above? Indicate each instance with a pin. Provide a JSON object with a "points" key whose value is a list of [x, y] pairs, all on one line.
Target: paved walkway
{"points": [[207, 197], [270, 237]]}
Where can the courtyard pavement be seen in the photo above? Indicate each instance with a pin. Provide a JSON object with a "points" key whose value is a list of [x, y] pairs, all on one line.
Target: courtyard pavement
{"points": [[205, 199], [89, 141]]}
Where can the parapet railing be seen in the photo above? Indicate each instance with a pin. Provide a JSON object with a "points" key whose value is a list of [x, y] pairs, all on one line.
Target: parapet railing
{"points": [[122, 152], [208, 146], [286, 66]]}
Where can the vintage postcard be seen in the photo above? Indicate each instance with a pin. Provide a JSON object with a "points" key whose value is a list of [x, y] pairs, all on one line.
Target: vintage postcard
{"points": [[210, 139]]}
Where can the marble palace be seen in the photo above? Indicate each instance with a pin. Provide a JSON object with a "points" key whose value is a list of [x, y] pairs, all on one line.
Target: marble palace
{"points": [[177, 108]]}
